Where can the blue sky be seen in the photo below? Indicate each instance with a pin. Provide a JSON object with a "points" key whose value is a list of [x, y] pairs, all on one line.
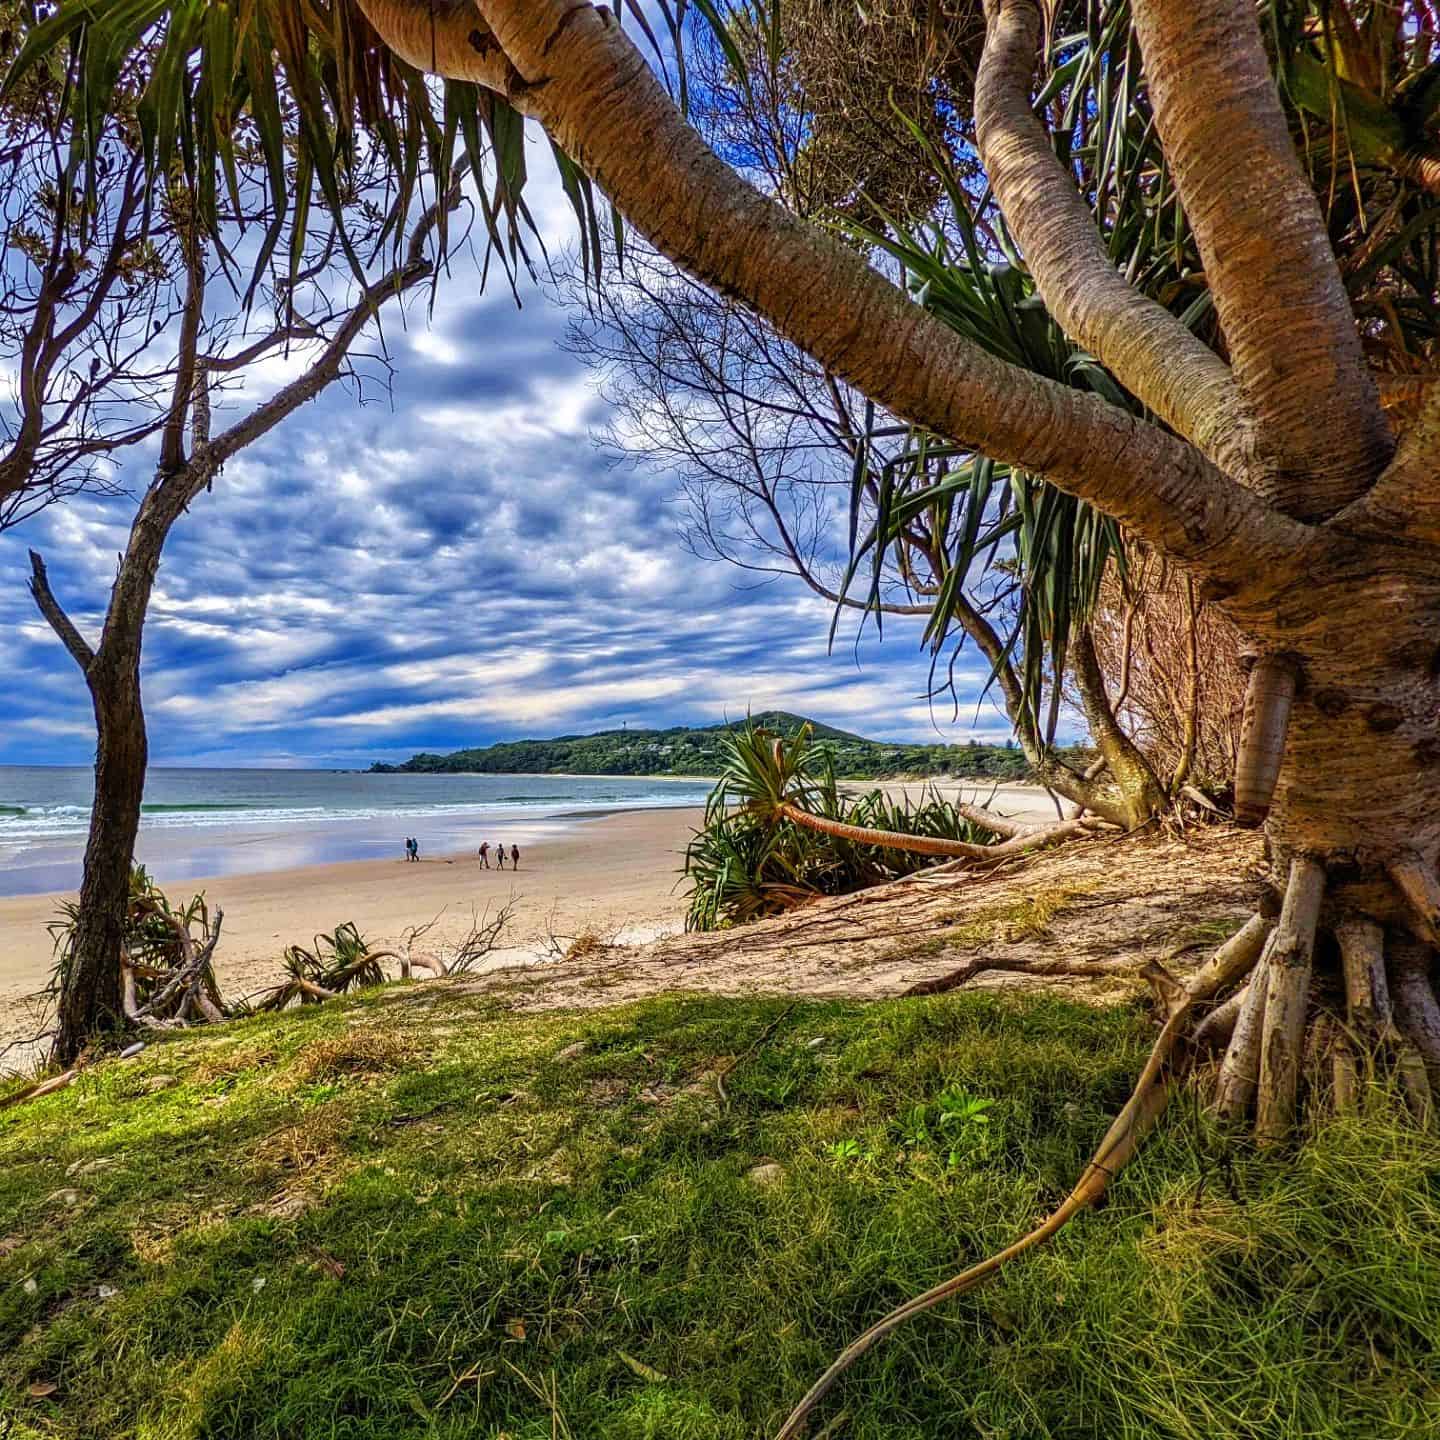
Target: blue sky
{"points": [[453, 564]]}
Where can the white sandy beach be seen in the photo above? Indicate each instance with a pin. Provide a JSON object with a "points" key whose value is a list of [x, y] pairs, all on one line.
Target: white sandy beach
{"points": [[617, 876]]}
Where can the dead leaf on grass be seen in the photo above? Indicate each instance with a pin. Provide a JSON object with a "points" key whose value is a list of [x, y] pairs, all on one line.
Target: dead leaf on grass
{"points": [[644, 1371]]}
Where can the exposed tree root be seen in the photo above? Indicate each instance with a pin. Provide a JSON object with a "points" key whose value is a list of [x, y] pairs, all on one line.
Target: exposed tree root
{"points": [[1121, 1141], [954, 979], [1289, 959], [1269, 990], [1215, 1030], [1417, 1013], [41, 1087]]}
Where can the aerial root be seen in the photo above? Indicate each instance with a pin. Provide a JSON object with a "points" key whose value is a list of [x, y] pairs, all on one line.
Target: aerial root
{"points": [[1289, 959], [1259, 986], [1215, 1030], [1417, 1012], [1240, 1069], [1417, 882], [1145, 1106]]}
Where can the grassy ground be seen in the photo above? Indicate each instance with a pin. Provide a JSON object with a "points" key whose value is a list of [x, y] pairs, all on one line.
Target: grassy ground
{"points": [[412, 1215]]}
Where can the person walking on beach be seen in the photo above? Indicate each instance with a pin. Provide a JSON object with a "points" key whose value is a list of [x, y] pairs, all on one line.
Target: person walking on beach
{"points": [[500, 855], [409, 854], [415, 851], [484, 853], [514, 857]]}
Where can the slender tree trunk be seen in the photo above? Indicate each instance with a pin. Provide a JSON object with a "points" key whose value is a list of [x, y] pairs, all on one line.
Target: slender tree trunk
{"points": [[90, 997]]}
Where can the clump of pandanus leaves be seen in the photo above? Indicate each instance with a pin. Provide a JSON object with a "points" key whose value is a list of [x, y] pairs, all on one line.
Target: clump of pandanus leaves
{"points": [[167, 960], [330, 965], [779, 832]]}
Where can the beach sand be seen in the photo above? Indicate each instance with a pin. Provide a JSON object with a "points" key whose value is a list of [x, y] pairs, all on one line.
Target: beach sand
{"points": [[616, 876]]}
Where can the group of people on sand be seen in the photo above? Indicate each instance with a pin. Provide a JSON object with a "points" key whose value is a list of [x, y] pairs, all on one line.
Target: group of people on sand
{"points": [[484, 853], [412, 852]]}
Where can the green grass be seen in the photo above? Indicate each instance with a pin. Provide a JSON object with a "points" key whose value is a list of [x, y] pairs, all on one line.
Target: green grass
{"points": [[411, 1215]]}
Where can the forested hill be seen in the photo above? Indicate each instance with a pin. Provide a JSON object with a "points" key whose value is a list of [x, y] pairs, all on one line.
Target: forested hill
{"points": [[686, 751]]}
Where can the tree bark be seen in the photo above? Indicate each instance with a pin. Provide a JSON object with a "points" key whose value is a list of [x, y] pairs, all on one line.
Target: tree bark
{"points": [[1320, 435], [91, 1002], [1149, 350]]}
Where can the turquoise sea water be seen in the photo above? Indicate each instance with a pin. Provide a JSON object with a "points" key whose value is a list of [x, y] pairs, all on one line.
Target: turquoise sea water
{"points": [[216, 822]]}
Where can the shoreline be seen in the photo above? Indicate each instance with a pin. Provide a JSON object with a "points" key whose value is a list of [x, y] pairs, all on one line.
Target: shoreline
{"points": [[613, 876], [616, 875]]}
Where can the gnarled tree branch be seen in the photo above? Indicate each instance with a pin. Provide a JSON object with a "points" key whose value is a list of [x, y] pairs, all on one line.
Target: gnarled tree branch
{"points": [[595, 95], [1149, 350], [1321, 437]]}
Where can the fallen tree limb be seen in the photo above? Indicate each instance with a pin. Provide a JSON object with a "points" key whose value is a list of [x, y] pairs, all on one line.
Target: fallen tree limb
{"points": [[936, 845], [42, 1087]]}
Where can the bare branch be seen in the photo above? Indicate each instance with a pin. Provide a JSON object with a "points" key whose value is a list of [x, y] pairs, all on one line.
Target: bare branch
{"points": [[172, 443], [60, 622]]}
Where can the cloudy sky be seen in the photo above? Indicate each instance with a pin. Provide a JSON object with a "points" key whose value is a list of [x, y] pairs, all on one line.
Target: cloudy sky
{"points": [[454, 564]]}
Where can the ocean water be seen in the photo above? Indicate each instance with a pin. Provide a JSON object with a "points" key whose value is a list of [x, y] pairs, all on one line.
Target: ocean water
{"points": [[219, 822]]}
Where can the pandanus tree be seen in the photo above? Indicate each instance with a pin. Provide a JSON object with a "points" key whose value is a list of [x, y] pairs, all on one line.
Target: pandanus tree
{"points": [[1264, 465], [1259, 458]]}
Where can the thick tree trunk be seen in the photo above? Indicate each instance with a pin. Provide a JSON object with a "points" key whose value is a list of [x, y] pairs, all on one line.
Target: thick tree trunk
{"points": [[1354, 832], [90, 996]]}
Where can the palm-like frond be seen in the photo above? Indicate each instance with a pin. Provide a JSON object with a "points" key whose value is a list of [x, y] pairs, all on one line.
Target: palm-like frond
{"points": [[751, 858], [302, 91]]}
